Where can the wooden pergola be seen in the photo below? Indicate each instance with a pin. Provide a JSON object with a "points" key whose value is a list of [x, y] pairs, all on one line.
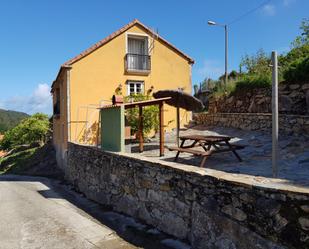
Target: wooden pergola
{"points": [[140, 105]]}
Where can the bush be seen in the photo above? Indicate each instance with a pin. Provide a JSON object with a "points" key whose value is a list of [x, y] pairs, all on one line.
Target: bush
{"points": [[298, 71], [29, 130], [252, 82], [150, 114]]}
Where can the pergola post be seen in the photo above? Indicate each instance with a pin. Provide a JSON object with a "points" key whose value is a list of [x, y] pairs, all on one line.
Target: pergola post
{"points": [[140, 129], [178, 125], [161, 124], [140, 105]]}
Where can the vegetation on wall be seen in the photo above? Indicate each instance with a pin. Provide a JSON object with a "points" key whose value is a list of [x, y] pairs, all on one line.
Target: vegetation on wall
{"points": [[298, 71], [9, 119], [150, 115], [255, 71], [29, 130]]}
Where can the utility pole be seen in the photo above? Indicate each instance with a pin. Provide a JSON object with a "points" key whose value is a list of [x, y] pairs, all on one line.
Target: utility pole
{"points": [[226, 53], [275, 118], [226, 49]]}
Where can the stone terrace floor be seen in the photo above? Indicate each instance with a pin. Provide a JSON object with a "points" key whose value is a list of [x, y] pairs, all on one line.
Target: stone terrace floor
{"points": [[293, 163]]}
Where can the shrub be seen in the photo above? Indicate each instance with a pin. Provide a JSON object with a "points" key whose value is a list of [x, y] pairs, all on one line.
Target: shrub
{"points": [[298, 71], [252, 82], [150, 115], [29, 130]]}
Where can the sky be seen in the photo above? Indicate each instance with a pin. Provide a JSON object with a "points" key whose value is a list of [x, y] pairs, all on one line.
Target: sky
{"points": [[37, 36]]}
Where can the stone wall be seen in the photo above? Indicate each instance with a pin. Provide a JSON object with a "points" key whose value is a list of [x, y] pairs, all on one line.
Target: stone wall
{"points": [[207, 208], [293, 99], [288, 124]]}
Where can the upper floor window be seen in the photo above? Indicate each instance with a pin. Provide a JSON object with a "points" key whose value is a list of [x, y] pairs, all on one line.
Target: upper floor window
{"points": [[137, 58], [135, 87], [137, 45]]}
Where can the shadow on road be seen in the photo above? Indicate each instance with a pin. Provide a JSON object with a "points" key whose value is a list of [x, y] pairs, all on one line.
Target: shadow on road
{"points": [[133, 231]]}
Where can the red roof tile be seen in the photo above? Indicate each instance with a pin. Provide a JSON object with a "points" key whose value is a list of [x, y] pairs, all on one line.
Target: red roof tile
{"points": [[112, 36], [118, 32]]}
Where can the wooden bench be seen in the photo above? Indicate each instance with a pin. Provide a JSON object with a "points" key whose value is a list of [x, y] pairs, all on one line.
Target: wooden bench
{"points": [[203, 154], [219, 143]]}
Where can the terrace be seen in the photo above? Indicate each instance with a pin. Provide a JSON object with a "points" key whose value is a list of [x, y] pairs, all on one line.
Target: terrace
{"points": [[256, 156]]}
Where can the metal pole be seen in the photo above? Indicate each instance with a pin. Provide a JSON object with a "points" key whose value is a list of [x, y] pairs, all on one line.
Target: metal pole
{"points": [[140, 130], [178, 126], [226, 58], [275, 120], [161, 120]]}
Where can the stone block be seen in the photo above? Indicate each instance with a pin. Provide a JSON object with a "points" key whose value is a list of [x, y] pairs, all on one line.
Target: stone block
{"points": [[294, 86], [235, 213], [304, 223]]}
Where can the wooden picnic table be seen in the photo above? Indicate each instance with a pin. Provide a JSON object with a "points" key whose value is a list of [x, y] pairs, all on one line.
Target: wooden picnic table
{"points": [[210, 145]]}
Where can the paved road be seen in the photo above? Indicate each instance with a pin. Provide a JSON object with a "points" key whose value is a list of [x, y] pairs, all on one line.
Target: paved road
{"points": [[33, 214]]}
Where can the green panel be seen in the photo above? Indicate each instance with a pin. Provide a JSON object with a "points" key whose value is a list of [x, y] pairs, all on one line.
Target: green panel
{"points": [[112, 129]]}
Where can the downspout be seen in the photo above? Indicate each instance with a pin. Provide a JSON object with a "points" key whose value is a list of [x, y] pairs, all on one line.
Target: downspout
{"points": [[68, 102], [190, 65]]}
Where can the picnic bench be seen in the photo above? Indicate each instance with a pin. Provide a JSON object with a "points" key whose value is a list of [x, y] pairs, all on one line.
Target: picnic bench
{"points": [[210, 145]]}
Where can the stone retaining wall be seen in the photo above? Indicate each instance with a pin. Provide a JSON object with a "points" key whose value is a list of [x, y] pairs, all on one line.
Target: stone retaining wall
{"points": [[293, 99], [288, 124], [205, 207]]}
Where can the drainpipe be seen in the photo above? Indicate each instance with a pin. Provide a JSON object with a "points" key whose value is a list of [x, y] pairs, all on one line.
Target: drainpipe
{"points": [[68, 68]]}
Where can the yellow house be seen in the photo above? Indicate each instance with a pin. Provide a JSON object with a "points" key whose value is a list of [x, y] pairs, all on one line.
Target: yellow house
{"points": [[132, 60]]}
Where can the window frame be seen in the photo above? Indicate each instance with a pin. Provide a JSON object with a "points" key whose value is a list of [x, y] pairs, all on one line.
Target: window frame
{"points": [[135, 82], [137, 36]]}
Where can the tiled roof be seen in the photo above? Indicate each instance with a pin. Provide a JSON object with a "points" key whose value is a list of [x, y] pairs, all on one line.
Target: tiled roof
{"points": [[118, 32], [112, 36]]}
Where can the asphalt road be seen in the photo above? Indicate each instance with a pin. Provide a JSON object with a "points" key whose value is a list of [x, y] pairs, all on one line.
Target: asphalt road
{"points": [[34, 213]]}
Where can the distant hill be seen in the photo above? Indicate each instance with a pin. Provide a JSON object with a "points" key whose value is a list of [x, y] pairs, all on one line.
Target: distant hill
{"points": [[9, 119]]}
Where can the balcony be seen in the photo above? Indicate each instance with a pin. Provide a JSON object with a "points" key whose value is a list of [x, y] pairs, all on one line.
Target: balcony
{"points": [[137, 63]]}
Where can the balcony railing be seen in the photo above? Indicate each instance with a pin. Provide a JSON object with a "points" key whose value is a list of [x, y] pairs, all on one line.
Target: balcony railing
{"points": [[137, 63]]}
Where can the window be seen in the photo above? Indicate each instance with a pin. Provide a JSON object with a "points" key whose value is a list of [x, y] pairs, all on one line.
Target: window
{"points": [[137, 58], [137, 45], [135, 87]]}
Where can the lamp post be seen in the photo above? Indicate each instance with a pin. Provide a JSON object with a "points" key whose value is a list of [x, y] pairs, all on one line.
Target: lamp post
{"points": [[226, 47]]}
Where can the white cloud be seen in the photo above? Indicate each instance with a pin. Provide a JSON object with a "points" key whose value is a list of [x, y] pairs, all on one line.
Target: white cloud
{"points": [[39, 101], [210, 68], [269, 9]]}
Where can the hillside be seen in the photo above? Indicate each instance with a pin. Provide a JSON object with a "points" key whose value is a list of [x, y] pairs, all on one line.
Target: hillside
{"points": [[9, 119]]}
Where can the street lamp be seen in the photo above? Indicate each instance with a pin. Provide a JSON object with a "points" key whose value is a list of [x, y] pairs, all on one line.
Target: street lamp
{"points": [[226, 47]]}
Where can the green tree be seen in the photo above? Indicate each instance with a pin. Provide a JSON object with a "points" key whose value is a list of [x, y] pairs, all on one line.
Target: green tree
{"points": [[303, 38], [150, 115], [257, 64], [298, 71], [29, 130]]}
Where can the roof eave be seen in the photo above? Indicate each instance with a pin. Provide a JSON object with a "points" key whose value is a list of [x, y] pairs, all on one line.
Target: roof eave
{"points": [[119, 32], [64, 66]]}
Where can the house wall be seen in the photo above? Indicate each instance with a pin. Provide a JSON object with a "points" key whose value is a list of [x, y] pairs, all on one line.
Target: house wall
{"points": [[60, 123], [95, 78]]}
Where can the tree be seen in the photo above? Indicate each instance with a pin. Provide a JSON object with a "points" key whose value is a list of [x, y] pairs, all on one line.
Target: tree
{"points": [[29, 130], [256, 64], [298, 71], [150, 115], [303, 38]]}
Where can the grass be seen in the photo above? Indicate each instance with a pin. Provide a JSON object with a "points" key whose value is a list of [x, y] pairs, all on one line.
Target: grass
{"points": [[245, 83], [17, 162], [220, 90]]}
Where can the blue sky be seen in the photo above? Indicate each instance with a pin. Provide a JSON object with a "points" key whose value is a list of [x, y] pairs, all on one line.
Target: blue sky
{"points": [[38, 36]]}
